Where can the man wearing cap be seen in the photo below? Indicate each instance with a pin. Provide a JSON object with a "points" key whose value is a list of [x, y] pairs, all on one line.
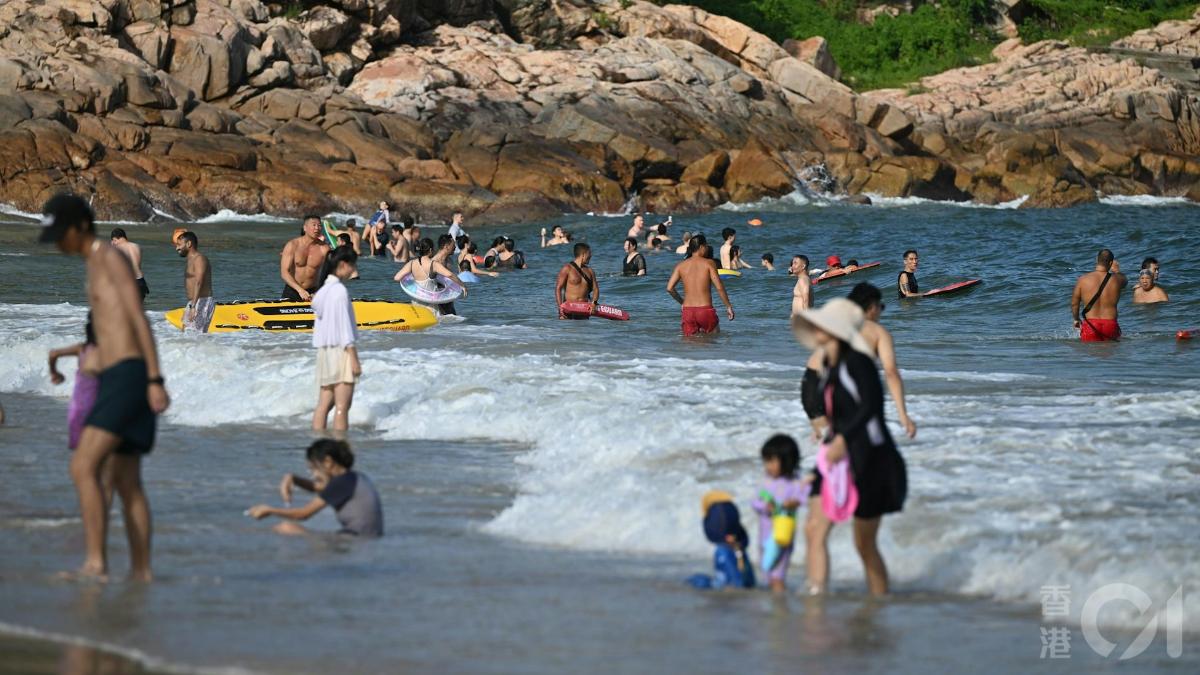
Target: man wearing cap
{"points": [[699, 275], [906, 281], [134, 252], [197, 283], [301, 260], [121, 426], [802, 292], [833, 267], [1148, 291]]}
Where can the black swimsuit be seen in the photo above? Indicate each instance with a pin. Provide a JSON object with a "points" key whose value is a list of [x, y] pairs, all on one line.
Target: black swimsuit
{"points": [[912, 284], [631, 268]]}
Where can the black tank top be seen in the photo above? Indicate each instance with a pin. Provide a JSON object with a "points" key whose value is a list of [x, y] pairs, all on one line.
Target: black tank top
{"points": [[912, 284], [632, 267]]}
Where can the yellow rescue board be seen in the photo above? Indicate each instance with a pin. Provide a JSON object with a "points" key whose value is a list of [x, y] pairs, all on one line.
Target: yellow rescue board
{"points": [[285, 315]]}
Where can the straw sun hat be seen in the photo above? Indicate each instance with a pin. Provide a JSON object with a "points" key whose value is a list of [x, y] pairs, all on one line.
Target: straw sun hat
{"points": [[839, 317]]}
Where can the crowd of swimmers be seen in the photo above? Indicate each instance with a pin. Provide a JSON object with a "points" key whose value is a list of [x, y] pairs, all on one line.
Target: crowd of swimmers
{"points": [[120, 389]]}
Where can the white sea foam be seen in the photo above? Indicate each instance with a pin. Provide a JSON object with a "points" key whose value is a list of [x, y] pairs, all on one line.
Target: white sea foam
{"points": [[1144, 200], [10, 210], [881, 201], [228, 216], [1010, 489]]}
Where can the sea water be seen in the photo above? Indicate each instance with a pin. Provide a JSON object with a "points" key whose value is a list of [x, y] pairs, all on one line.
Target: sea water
{"points": [[541, 478]]}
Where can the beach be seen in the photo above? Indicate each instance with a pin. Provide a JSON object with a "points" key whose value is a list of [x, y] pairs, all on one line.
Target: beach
{"points": [[541, 479]]}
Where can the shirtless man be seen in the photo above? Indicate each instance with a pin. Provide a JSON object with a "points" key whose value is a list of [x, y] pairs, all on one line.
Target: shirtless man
{"points": [[802, 292], [698, 274], [906, 282], [728, 235], [1148, 291], [870, 299], [134, 252], [1098, 292], [639, 227], [197, 283], [120, 428], [404, 247], [301, 260], [577, 282]]}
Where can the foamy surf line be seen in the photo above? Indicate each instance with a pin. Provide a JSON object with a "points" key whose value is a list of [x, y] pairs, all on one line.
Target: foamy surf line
{"points": [[147, 661]]}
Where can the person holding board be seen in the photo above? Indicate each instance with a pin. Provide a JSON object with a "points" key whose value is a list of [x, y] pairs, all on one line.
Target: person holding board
{"points": [[577, 283]]}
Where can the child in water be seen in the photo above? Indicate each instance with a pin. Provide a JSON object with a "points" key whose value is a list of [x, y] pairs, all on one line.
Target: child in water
{"points": [[776, 505], [83, 397], [723, 527], [350, 493]]}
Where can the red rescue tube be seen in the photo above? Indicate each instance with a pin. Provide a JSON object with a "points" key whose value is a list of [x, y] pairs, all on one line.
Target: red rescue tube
{"points": [[602, 311]]}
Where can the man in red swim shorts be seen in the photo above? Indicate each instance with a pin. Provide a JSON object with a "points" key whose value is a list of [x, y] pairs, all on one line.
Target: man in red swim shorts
{"points": [[1098, 320], [699, 275]]}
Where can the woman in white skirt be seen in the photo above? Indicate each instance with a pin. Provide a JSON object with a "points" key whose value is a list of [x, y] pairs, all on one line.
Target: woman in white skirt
{"points": [[334, 334]]}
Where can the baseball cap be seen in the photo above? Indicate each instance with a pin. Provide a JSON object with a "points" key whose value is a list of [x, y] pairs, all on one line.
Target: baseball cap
{"points": [[833, 260], [62, 212]]}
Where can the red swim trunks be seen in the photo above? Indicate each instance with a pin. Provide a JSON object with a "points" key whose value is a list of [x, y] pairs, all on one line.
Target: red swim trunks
{"points": [[1099, 330], [699, 320]]}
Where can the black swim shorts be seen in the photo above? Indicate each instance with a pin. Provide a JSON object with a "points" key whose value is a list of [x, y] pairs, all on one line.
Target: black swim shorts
{"points": [[123, 409], [143, 287]]}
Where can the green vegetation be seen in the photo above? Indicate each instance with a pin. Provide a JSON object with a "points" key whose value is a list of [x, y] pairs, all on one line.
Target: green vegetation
{"points": [[1098, 22], [898, 51]]}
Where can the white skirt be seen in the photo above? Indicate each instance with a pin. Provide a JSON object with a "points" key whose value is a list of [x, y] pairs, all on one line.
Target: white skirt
{"points": [[334, 366]]}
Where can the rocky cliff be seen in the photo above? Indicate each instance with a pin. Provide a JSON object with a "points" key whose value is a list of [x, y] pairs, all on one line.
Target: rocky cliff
{"points": [[520, 109]]}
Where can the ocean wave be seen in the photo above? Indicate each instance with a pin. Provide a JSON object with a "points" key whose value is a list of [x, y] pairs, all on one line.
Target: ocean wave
{"points": [[10, 210], [1144, 200], [228, 216], [881, 201]]}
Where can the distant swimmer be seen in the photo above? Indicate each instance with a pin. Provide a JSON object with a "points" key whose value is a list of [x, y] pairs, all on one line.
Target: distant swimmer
{"points": [[397, 245], [133, 252], [906, 282], [735, 259], [121, 425], [639, 227], [851, 265], [728, 236], [699, 275], [301, 260], [558, 237], [376, 231], [1097, 321], [880, 340], [404, 247], [197, 283], [635, 263], [682, 249], [802, 292], [351, 232], [456, 226], [1148, 291], [768, 262], [577, 282], [508, 256], [658, 232], [833, 264]]}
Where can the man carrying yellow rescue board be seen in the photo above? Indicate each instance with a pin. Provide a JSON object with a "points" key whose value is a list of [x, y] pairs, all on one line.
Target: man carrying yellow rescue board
{"points": [[300, 262], [197, 283]]}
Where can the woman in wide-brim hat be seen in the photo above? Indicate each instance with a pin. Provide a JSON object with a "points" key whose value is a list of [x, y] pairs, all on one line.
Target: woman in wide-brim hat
{"points": [[852, 394]]}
